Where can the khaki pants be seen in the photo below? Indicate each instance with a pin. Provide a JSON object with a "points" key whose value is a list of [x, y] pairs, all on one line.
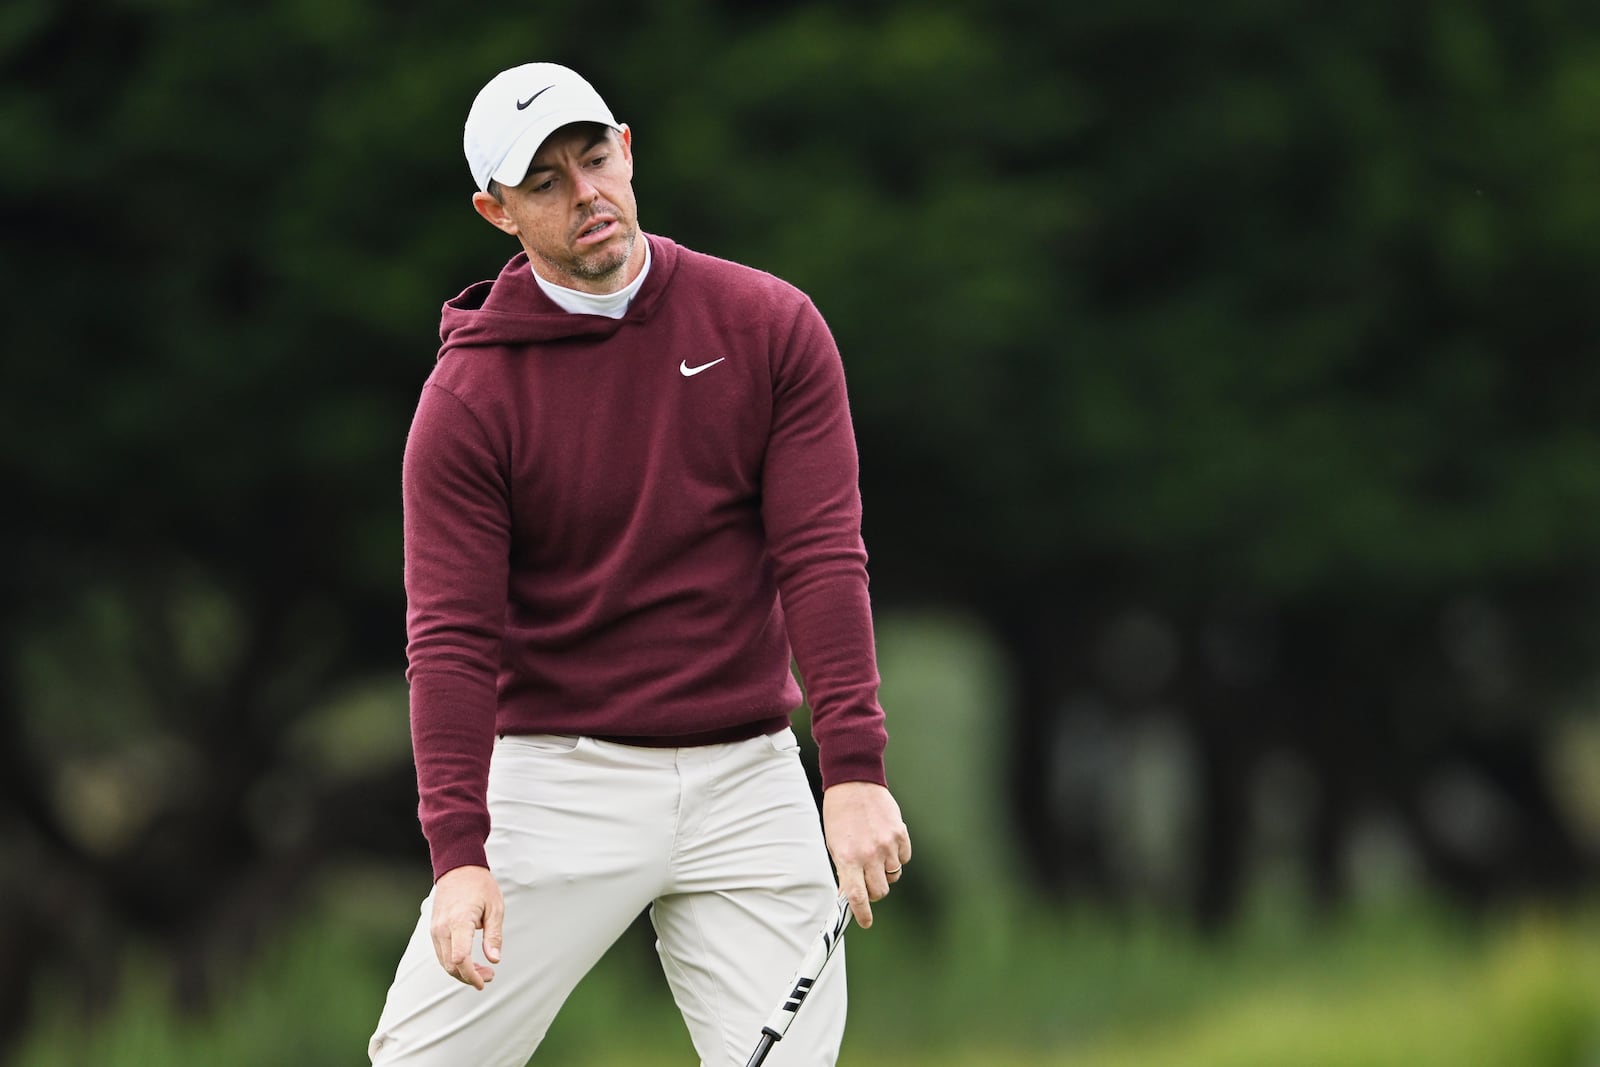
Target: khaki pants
{"points": [[721, 842]]}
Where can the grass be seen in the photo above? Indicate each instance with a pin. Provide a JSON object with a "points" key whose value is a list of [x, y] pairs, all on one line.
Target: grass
{"points": [[1003, 985], [1529, 994]]}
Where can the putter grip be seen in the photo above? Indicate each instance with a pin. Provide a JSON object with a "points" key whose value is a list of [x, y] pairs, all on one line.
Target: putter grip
{"points": [[816, 958]]}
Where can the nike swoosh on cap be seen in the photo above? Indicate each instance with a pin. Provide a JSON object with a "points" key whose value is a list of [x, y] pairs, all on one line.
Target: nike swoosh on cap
{"points": [[522, 105]]}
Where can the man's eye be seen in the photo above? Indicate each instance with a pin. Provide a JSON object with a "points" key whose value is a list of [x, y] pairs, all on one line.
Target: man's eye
{"points": [[598, 161], [544, 187]]}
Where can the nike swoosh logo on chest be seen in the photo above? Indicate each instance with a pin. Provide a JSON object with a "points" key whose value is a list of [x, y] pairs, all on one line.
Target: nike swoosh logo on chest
{"points": [[689, 372]]}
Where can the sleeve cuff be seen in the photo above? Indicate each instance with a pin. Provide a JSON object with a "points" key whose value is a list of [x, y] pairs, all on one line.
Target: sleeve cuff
{"points": [[451, 847]]}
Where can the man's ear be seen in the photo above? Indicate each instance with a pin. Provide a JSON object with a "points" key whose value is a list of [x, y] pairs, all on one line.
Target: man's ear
{"points": [[494, 212]]}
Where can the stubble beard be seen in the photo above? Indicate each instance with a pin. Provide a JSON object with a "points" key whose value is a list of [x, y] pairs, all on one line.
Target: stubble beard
{"points": [[601, 267], [604, 264]]}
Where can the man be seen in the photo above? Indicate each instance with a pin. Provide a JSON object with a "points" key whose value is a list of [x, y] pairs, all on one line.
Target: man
{"points": [[630, 495]]}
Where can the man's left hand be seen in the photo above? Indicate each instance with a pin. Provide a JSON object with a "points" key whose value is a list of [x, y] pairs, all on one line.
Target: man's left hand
{"points": [[868, 841]]}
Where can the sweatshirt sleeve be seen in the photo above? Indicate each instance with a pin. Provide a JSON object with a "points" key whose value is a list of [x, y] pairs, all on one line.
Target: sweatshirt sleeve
{"points": [[457, 536], [811, 507]]}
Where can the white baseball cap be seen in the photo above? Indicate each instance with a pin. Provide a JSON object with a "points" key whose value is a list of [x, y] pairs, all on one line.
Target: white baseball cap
{"points": [[517, 110]]}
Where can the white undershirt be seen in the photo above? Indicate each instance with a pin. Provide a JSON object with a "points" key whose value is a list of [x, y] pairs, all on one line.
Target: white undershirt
{"points": [[611, 305]]}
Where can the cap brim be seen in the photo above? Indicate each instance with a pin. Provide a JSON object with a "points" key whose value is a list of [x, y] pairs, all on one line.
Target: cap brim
{"points": [[514, 167]]}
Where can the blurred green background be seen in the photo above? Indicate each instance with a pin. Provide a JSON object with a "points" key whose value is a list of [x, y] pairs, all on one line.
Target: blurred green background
{"points": [[1226, 388]]}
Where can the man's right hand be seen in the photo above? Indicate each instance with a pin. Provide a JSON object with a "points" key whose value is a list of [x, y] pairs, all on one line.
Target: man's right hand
{"points": [[466, 899]]}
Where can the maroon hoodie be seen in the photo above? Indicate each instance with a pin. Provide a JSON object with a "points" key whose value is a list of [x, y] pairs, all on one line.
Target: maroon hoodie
{"points": [[621, 528]]}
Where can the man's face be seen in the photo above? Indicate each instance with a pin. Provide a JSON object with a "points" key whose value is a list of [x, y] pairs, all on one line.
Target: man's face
{"points": [[574, 211]]}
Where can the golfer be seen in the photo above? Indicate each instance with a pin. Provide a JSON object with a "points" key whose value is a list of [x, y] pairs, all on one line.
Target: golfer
{"points": [[630, 496]]}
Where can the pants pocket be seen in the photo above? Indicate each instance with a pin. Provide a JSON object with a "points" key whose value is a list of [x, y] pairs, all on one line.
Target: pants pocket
{"points": [[784, 741]]}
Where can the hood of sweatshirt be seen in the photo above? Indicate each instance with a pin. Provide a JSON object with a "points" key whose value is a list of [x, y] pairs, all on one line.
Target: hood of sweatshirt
{"points": [[512, 310]]}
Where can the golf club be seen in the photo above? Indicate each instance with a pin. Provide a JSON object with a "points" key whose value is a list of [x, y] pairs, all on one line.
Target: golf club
{"points": [[811, 966]]}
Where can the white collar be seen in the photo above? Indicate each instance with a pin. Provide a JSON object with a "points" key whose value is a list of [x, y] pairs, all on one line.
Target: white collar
{"points": [[611, 305]]}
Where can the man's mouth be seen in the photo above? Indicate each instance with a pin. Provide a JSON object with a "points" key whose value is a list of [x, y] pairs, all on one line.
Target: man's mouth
{"points": [[596, 230]]}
